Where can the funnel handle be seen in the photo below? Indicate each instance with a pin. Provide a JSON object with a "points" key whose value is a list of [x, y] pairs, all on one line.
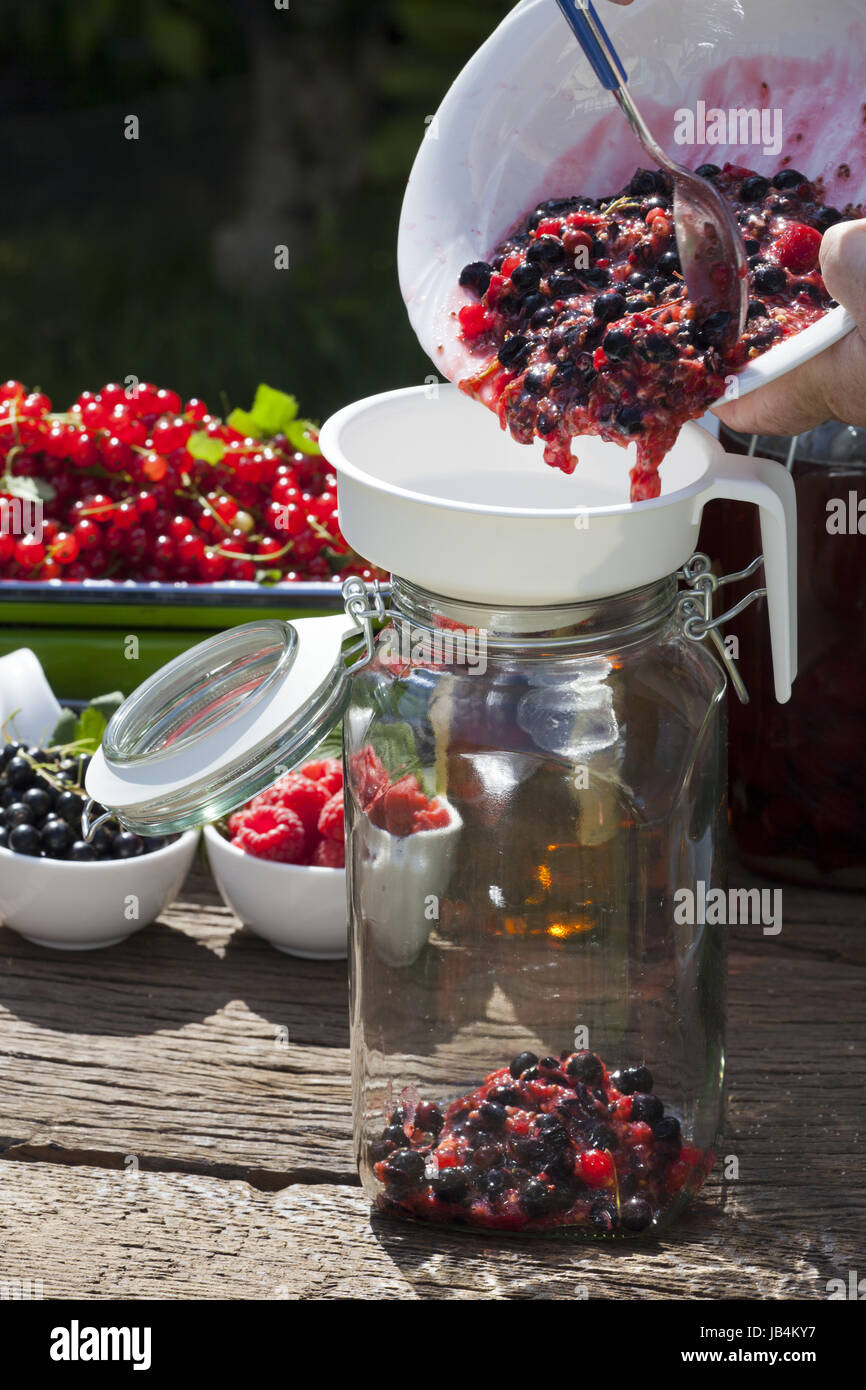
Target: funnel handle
{"points": [[771, 488]]}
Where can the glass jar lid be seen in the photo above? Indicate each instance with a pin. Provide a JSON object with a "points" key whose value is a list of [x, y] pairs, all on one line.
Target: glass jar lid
{"points": [[221, 722]]}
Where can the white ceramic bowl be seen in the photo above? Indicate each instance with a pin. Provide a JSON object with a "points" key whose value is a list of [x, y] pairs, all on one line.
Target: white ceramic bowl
{"points": [[526, 119], [298, 908], [81, 907], [402, 875]]}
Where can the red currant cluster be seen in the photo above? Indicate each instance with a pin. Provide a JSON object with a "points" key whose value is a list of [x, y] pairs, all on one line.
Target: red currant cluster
{"points": [[137, 486]]}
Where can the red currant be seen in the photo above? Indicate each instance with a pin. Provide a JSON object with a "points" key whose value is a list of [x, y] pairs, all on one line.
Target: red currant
{"points": [[212, 567], [98, 507], [268, 546], [179, 527], [65, 549], [113, 394], [307, 545], [125, 516], [475, 320], [29, 552], [56, 442], [154, 467], [285, 489], [82, 449], [163, 549], [190, 550], [226, 508], [596, 1168], [170, 434], [87, 534], [145, 503], [167, 402], [94, 416], [115, 454], [132, 432]]}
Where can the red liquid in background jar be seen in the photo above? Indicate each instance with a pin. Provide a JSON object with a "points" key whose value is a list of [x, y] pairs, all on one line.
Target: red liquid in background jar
{"points": [[797, 771]]}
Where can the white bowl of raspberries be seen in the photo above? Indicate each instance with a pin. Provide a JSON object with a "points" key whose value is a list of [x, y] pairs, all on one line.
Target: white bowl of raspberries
{"points": [[280, 862]]}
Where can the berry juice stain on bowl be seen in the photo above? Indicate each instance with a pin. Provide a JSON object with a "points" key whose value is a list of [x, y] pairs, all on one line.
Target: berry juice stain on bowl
{"points": [[544, 1145], [580, 322]]}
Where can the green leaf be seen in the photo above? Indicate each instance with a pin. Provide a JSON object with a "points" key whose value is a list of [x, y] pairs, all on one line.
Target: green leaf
{"points": [[273, 411], [107, 705], [90, 728], [243, 422], [300, 436], [30, 489], [395, 745], [64, 729], [203, 446], [269, 577], [175, 39]]}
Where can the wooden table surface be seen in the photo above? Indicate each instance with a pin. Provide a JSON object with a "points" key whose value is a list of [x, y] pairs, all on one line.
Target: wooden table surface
{"points": [[175, 1123]]}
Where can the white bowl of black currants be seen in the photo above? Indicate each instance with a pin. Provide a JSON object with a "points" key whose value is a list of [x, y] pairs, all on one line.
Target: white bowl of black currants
{"points": [[59, 890]]}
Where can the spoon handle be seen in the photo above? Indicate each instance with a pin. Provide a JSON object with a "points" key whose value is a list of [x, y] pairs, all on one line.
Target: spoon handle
{"points": [[607, 65], [593, 39]]}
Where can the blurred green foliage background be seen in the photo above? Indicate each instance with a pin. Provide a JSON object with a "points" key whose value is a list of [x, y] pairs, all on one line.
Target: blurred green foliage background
{"points": [[258, 125]]}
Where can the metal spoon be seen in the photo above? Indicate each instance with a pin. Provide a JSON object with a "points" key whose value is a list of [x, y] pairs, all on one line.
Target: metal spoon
{"points": [[710, 244]]}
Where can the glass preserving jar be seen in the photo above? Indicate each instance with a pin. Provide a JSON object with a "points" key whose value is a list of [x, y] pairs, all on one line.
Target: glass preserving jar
{"points": [[534, 749], [796, 770], [537, 1044]]}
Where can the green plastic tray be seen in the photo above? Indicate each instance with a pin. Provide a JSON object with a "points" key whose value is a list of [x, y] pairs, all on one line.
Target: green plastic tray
{"points": [[81, 632]]}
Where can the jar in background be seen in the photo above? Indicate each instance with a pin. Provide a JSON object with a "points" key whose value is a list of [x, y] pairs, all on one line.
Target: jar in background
{"points": [[797, 770]]}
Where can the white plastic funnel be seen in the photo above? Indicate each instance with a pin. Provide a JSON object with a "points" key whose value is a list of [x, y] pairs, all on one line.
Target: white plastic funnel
{"points": [[527, 120], [432, 490]]}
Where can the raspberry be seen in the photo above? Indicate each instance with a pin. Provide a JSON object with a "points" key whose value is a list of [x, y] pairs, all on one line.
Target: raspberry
{"points": [[330, 854], [272, 833], [329, 771], [236, 820], [368, 774], [331, 820], [400, 804], [432, 817], [303, 796]]}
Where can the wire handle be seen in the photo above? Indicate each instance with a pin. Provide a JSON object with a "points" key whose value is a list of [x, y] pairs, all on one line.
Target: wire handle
{"points": [[595, 42]]}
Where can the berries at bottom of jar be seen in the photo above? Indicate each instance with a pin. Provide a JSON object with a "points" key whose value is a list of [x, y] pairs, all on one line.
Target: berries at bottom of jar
{"points": [[42, 797], [541, 1145]]}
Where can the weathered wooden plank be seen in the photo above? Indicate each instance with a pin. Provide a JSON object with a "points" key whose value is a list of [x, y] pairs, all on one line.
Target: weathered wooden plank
{"points": [[194, 1044], [88, 1233], [172, 1048]]}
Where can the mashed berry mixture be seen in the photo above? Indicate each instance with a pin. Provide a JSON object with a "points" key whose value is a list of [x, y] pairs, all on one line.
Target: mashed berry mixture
{"points": [[540, 1145], [585, 326]]}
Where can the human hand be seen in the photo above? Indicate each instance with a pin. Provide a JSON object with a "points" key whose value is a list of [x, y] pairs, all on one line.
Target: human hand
{"points": [[831, 386]]}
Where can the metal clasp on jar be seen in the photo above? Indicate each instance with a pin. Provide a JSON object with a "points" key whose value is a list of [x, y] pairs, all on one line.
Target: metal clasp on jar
{"points": [[367, 605], [695, 607]]}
